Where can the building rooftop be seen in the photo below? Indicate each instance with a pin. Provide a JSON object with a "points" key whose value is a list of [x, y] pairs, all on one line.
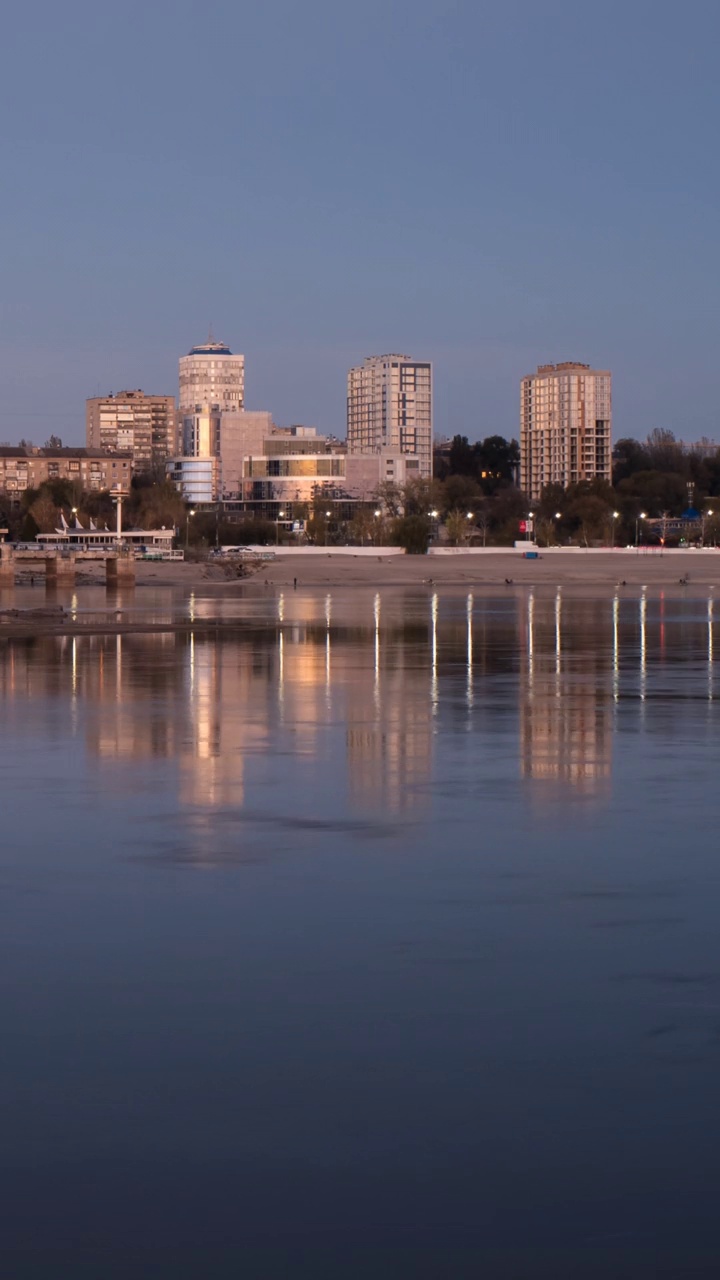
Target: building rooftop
{"points": [[16, 451], [210, 349]]}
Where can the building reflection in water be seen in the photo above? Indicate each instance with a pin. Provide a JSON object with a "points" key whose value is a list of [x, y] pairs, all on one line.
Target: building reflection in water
{"points": [[389, 708], [377, 673], [566, 702]]}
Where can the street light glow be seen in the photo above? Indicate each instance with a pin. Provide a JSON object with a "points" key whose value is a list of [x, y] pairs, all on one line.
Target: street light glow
{"points": [[558, 515], [615, 515], [469, 515], [377, 513]]}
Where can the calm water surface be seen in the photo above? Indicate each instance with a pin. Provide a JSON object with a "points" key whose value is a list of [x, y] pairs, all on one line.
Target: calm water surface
{"points": [[374, 936]]}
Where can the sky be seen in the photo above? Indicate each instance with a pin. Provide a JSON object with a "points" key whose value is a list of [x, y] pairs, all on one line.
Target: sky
{"points": [[488, 184]]}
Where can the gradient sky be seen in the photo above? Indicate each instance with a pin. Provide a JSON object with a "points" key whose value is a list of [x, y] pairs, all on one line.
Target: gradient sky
{"points": [[489, 184]]}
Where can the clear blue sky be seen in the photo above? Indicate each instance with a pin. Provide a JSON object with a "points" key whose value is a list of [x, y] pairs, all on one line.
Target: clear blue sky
{"points": [[489, 184]]}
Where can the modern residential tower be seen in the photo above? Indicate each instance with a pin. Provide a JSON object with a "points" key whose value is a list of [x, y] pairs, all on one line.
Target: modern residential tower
{"points": [[389, 407], [565, 426]]}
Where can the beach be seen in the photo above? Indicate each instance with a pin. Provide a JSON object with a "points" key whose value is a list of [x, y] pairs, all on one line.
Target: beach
{"points": [[486, 568]]}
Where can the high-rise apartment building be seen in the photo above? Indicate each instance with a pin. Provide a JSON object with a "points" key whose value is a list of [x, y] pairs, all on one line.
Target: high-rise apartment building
{"points": [[389, 406], [565, 426], [210, 375], [131, 422]]}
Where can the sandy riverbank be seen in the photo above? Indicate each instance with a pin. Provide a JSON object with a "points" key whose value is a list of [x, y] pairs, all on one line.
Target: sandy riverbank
{"points": [[578, 568], [490, 568], [671, 571]]}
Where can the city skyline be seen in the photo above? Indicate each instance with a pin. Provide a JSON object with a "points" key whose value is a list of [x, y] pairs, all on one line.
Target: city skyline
{"points": [[552, 221]]}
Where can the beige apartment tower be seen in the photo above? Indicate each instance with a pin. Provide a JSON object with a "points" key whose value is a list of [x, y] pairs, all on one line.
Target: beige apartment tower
{"points": [[565, 426], [389, 407], [210, 375], [131, 422]]}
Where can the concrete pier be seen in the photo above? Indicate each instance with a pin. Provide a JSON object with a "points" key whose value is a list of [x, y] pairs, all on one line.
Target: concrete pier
{"points": [[7, 566], [120, 571], [60, 570]]}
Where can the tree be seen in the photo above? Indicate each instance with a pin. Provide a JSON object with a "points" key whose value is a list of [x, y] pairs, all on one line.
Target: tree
{"points": [[652, 492], [53, 442], [418, 496], [158, 506], [389, 497], [629, 456], [459, 491], [509, 506], [463, 459], [362, 526], [664, 453], [45, 513], [553, 498], [496, 460], [456, 525], [413, 533], [482, 523]]}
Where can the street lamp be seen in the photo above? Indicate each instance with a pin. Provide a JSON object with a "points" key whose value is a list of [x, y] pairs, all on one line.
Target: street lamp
{"points": [[327, 517], [187, 528], [615, 516], [642, 516], [277, 527], [530, 531]]}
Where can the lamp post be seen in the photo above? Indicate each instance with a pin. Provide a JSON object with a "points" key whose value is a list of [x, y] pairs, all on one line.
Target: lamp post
{"points": [[642, 516], [118, 500], [706, 517], [327, 517], [187, 528], [530, 528], [615, 515], [277, 527]]}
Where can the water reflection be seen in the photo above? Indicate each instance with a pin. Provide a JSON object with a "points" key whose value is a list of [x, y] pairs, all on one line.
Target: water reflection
{"points": [[380, 669], [565, 697]]}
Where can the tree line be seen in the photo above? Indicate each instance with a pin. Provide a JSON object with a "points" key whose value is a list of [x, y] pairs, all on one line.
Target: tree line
{"points": [[473, 498]]}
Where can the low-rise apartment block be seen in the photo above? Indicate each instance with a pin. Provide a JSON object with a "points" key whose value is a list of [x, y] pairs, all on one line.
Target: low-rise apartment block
{"points": [[22, 469]]}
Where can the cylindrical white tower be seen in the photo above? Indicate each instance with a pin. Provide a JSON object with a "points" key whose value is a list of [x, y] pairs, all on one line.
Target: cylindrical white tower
{"points": [[211, 377]]}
